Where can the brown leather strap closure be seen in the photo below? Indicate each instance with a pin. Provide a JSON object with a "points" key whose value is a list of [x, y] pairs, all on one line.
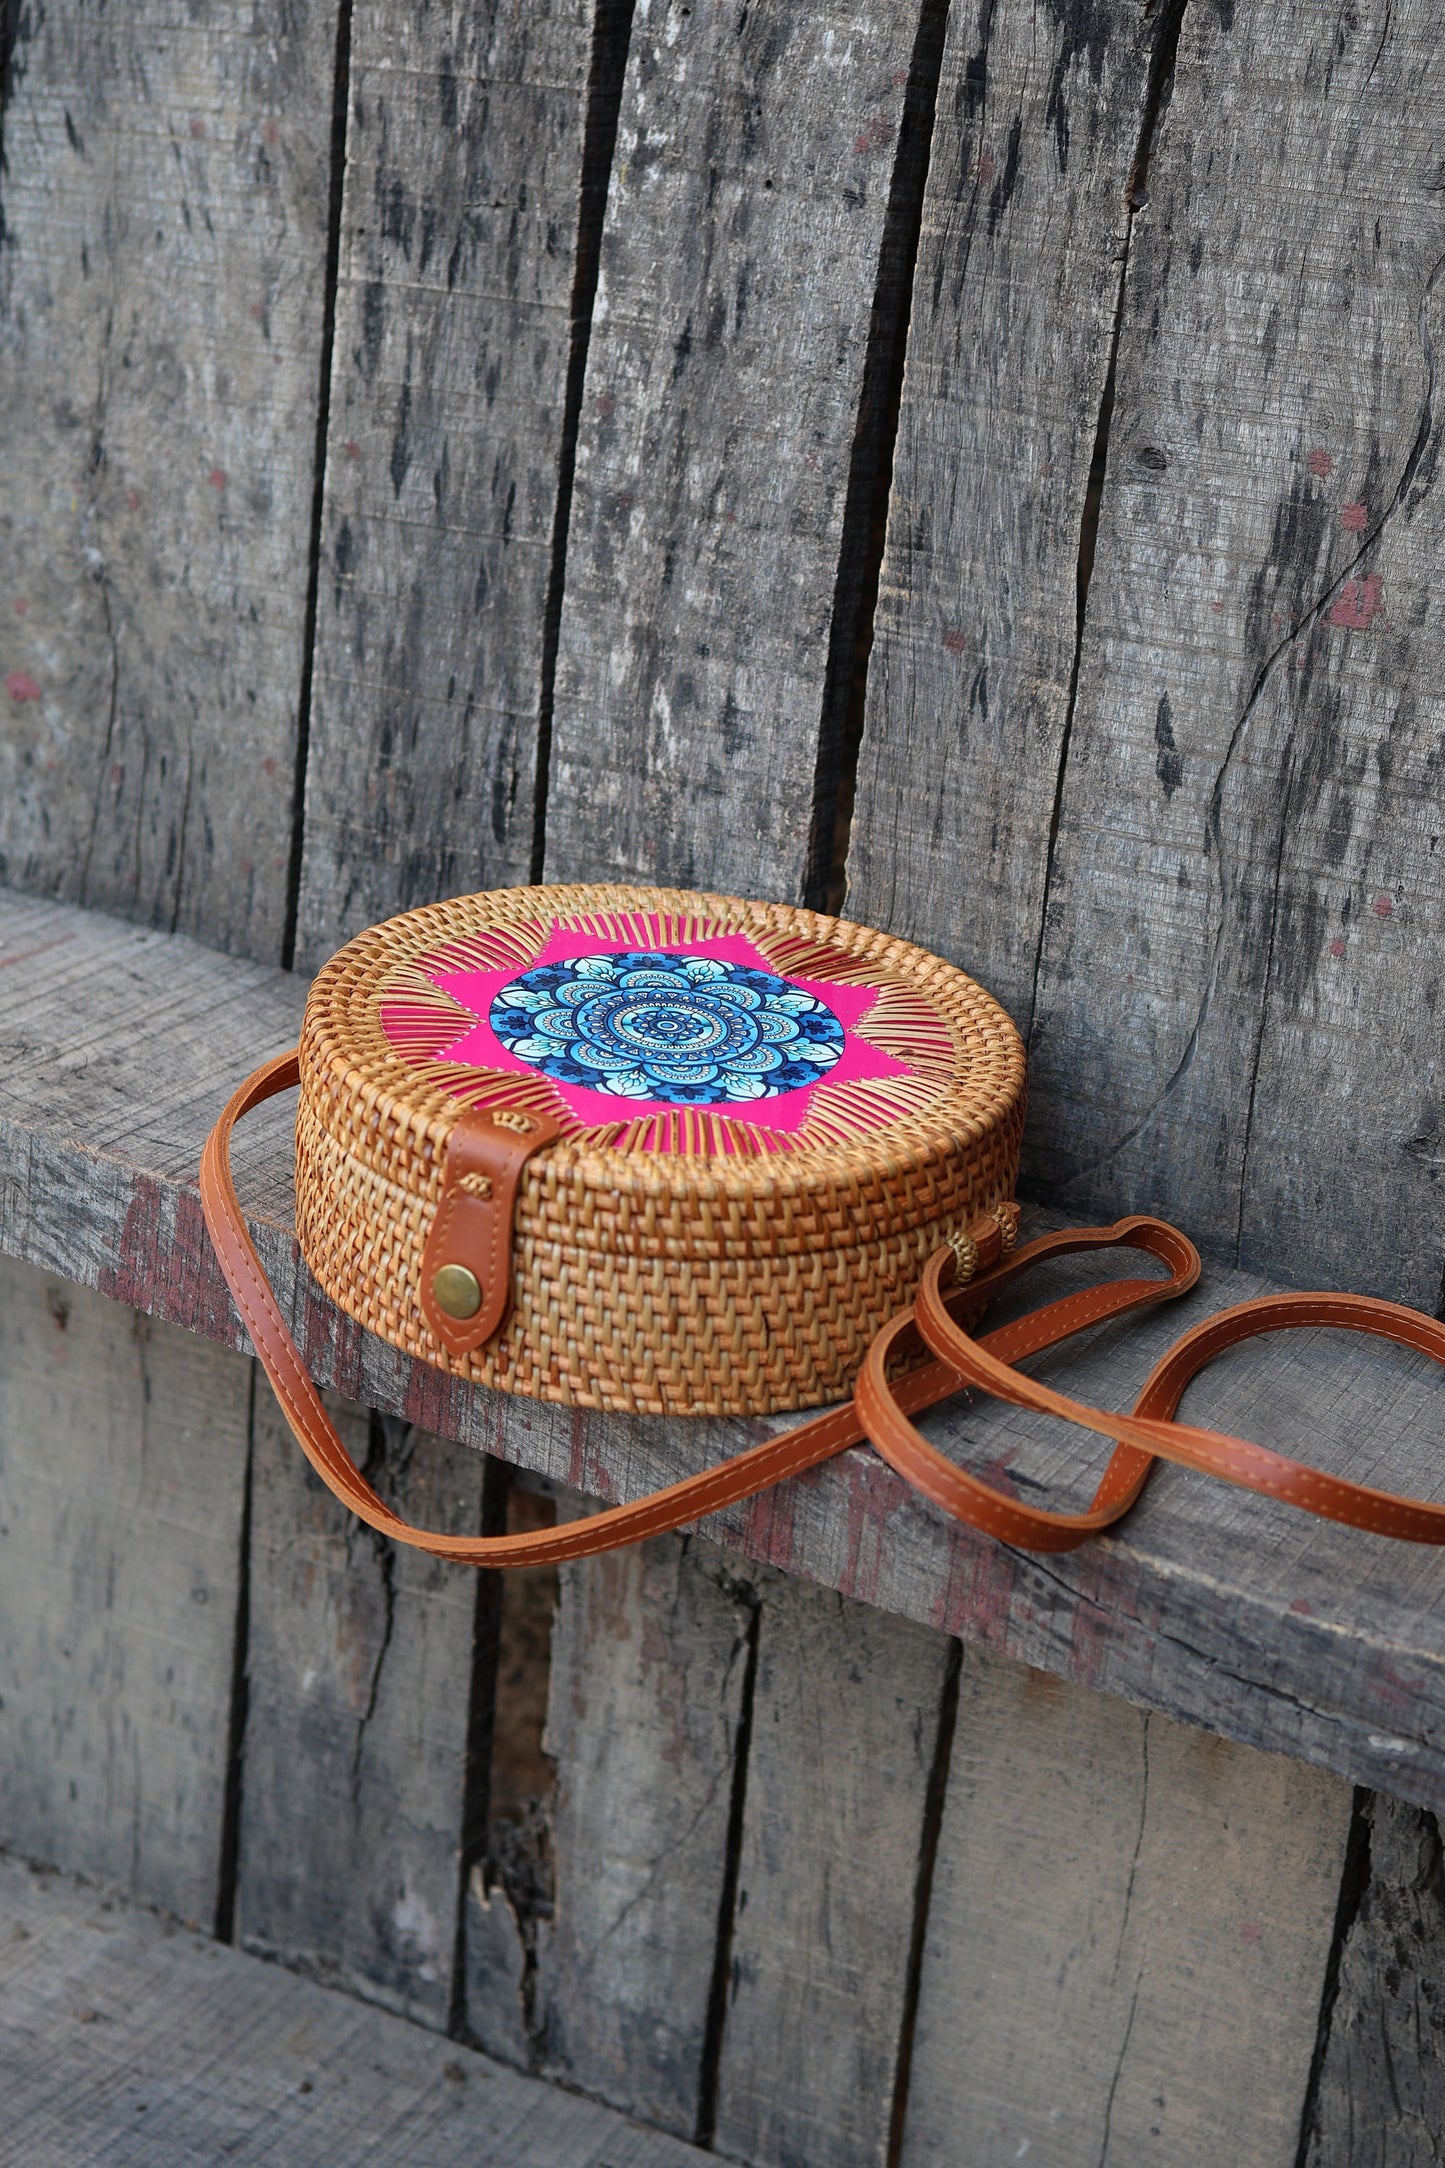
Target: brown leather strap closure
{"points": [[989, 1362], [466, 1268], [1149, 1431], [802, 1447]]}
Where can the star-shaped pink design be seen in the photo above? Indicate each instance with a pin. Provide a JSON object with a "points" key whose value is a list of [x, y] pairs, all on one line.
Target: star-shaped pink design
{"points": [[480, 1047]]}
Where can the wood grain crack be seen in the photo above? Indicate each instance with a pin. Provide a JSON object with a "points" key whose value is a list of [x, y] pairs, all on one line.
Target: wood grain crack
{"points": [[340, 103], [1119, 1952], [227, 1872], [1406, 495], [94, 466], [717, 2003], [870, 477], [933, 1806], [1354, 1882], [384, 1552], [1156, 102], [611, 38]]}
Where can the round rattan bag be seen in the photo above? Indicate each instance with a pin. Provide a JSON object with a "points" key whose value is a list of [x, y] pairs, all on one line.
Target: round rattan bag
{"points": [[644, 1149]]}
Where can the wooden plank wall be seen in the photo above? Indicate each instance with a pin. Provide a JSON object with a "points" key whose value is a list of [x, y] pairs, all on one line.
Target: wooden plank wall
{"points": [[448, 449], [164, 300], [465, 248]]}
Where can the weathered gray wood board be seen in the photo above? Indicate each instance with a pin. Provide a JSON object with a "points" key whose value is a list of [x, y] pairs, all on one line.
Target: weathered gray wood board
{"points": [[359, 1668], [1215, 1606], [1248, 818], [1127, 1939], [125, 2039], [123, 1448], [161, 312], [1380, 2101], [453, 332], [725, 373], [843, 1738], [1025, 232], [510, 1887], [734, 1939], [654, 1646]]}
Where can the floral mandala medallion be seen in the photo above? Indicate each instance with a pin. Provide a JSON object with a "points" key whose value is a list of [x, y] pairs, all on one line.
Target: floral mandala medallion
{"points": [[687, 1030], [688, 1033]]}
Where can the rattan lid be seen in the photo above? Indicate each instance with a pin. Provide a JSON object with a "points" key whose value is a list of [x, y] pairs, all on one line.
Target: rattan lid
{"points": [[686, 1042]]}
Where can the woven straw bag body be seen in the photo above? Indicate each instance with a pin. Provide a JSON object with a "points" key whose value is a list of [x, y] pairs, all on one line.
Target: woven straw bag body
{"points": [[760, 1123]]}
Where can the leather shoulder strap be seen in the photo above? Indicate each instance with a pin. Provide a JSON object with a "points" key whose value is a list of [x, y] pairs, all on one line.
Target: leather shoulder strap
{"points": [[988, 1363], [803, 1446]]}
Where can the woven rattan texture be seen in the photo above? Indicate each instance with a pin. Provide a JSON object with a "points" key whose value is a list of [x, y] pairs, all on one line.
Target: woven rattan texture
{"points": [[657, 1281]]}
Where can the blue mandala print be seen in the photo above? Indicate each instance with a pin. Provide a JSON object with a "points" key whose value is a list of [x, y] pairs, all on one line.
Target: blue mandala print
{"points": [[688, 1029]]}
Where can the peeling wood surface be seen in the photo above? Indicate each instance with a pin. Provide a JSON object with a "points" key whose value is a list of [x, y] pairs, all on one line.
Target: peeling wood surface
{"points": [[124, 2038], [843, 1736], [1381, 2094], [161, 308], [1024, 238], [123, 1447], [359, 1706], [744, 229], [453, 332], [1211, 1604], [1127, 1939], [1248, 821]]}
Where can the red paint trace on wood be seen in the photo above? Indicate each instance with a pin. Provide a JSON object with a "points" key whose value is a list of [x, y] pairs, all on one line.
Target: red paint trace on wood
{"points": [[1359, 604], [953, 640], [217, 477], [163, 1245], [23, 955], [1356, 517], [1383, 906], [1320, 463], [768, 1526], [22, 687], [877, 135]]}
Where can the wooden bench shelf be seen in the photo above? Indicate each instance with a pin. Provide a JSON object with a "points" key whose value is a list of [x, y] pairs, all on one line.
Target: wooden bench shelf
{"points": [[117, 1047], [124, 2036]]}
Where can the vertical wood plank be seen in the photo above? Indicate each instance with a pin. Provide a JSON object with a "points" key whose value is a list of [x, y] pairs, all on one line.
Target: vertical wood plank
{"points": [[161, 310], [1015, 295], [1128, 1938], [510, 1888], [740, 253], [651, 1660], [444, 460], [122, 1485], [1248, 821], [359, 1675], [843, 1738], [730, 346], [1381, 2095]]}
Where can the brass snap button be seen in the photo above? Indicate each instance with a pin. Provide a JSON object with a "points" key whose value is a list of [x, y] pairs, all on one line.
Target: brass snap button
{"points": [[457, 1291]]}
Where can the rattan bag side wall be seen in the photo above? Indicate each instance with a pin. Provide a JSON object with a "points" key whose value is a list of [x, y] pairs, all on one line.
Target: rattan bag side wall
{"points": [[645, 1281]]}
